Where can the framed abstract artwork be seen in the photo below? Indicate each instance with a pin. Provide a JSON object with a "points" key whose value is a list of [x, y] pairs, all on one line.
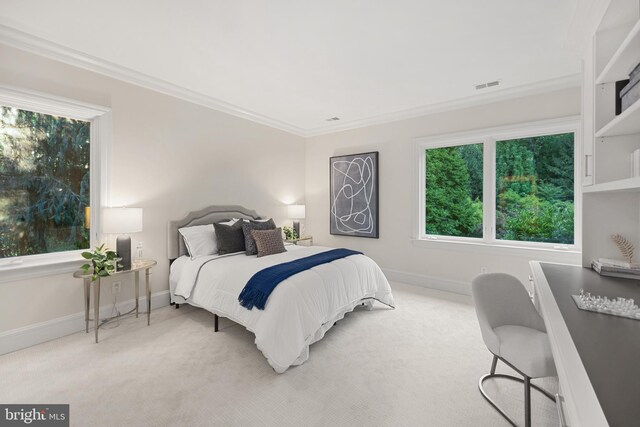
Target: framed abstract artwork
{"points": [[354, 195]]}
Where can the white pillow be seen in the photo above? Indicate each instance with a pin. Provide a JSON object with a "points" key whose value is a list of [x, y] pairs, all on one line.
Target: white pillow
{"points": [[200, 240]]}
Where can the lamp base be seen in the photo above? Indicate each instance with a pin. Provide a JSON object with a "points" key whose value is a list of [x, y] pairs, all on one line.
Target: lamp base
{"points": [[296, 228], [123, 248]]}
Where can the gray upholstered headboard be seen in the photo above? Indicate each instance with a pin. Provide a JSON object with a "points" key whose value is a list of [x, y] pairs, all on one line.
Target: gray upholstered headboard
{"points": [[208, 215]]}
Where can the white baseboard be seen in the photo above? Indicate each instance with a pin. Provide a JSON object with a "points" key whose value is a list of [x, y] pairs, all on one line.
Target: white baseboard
{"points": [[38, 333], [431, 282]]}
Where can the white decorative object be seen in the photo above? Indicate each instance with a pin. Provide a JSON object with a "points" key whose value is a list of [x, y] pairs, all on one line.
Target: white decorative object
{"points": [[139, 252], [121, 220], [624, 246], [621, 307]]}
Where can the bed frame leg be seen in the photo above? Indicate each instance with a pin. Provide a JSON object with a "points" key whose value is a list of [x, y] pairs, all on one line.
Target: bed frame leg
{"points": [[215, 323], [177, 306]]}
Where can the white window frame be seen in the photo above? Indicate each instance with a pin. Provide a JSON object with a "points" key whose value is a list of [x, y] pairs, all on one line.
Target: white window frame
{"points": [[30, 266], [489, 137]]}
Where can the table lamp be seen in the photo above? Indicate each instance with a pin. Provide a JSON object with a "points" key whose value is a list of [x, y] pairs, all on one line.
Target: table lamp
{"points": [[122, 221], [296, 212]]}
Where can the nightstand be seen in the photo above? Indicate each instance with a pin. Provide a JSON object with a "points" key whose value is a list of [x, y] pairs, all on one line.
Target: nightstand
{"points": [[136, 267], [302, 241]]}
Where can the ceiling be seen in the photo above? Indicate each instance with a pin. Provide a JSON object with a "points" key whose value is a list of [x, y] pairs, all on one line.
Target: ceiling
{"points": [[296, 63]]}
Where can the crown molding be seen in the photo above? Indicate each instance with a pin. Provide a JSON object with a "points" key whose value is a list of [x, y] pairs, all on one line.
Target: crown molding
{"points": [[496, 95], [39, 46]]}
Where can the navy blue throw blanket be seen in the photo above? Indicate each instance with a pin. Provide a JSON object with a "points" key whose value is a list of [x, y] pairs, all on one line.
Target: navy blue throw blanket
{"points": [[259, 287]]}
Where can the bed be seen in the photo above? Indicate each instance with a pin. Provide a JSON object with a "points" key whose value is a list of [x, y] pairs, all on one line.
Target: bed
{"points": [[299, 311]]}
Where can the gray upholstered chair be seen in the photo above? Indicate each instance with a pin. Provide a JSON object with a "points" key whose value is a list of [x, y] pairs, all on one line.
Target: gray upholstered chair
{"points": [[514, 332]]}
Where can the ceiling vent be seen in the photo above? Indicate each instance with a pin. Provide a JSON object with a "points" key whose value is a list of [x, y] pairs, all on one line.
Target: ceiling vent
{"points": [[332, 119], [488, 84]]}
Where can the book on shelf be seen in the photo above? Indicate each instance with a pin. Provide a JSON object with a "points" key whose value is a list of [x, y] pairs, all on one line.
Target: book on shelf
{"points": [[607, 270]]}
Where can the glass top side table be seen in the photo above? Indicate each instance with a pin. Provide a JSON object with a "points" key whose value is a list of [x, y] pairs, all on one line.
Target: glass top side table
{"points": [[136, 267], [302, 241]]}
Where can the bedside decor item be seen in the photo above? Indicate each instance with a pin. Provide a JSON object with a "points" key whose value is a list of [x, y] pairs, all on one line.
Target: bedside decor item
{"points": [[289, 233], [139, 252], [296, 213], [621, 307], [103, 262], [122, 221], [354, 195], [624, 246]]}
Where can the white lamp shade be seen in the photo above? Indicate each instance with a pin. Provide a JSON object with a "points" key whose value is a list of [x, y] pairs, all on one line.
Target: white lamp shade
{"points": [[296, 211], [121, 220]]}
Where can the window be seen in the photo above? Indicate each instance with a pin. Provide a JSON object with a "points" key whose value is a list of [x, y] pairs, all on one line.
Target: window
{"points": [[503, 186], [453, 197], [535, 189], [44, 183], [54, 155]]}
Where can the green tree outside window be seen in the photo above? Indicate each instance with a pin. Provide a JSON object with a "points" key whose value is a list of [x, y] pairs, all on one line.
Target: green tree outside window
{"points": [[44, 183]]}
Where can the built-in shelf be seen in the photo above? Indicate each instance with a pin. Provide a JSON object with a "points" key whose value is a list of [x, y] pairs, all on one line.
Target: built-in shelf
{"points": [[626, 123], [628, 185], [624, 59]]}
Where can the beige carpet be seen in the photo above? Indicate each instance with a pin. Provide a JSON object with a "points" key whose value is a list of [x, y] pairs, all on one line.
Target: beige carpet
{"points": [[417, 365]]}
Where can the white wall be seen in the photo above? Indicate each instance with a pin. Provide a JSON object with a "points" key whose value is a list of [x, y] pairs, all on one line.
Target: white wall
{"points": [[437, 265], [169, 157]]}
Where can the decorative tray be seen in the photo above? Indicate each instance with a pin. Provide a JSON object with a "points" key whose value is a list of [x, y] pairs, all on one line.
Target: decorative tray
{"points": [[620, 307]]}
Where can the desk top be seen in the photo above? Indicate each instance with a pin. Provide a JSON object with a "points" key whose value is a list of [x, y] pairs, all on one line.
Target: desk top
{"points": [[609, 346]]}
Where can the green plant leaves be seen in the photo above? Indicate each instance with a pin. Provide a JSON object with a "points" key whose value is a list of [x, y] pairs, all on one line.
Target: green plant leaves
{"points": [[103, 262]]}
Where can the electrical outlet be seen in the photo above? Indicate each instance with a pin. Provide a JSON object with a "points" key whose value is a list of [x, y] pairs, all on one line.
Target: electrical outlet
{"points": [[115, 287], [483, 269]]}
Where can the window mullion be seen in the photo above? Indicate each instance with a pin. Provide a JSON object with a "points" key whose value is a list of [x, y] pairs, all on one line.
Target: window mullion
{"points": [[489, 189]]}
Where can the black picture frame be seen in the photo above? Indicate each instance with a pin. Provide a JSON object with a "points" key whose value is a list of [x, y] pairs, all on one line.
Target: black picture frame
{"points": [[353, 195]]}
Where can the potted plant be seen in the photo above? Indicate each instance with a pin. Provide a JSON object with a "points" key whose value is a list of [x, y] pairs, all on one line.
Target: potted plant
{"points": [[103, 262], [289, 233]]}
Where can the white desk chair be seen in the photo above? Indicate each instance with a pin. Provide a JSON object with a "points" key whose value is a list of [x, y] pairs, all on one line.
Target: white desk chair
{"points": [[514, 332]]}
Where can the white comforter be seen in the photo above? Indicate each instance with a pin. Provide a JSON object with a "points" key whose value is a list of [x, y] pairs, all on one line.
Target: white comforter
{"points": [[300, 309]]}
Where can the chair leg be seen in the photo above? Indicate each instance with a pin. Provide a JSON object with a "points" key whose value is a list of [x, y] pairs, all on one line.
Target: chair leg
{"points": [[527, 392], [527, 401]]}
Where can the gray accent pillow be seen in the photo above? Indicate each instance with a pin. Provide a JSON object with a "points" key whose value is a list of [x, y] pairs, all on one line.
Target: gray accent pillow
{"points": [[248, 227], [269, 242], [230, 238]]}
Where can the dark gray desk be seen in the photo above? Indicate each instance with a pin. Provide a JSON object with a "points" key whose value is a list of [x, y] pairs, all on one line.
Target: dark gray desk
{"points": [[608, 346]]}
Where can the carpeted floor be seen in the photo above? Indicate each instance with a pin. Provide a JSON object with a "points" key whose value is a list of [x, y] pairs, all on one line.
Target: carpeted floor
{"points": [[417, 365]]}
